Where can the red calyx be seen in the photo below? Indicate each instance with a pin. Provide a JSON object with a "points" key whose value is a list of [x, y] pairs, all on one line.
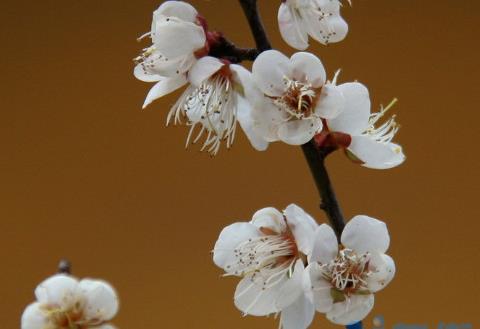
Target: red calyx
{"points": [[333, 140]]}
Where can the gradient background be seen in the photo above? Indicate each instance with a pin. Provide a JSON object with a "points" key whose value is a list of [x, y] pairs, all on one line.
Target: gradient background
{"points": [[85, 174]]}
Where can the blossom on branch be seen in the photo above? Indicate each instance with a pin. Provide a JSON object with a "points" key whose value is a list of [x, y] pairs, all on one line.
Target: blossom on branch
{"points": [[269, 254], [357, 130], [293, 98], [341, 281], [214, 101], [319, 19], [179, 38], [63, 302]]}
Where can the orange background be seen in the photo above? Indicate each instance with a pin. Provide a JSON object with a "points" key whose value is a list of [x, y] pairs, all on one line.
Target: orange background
{"points": [[85, 174]]}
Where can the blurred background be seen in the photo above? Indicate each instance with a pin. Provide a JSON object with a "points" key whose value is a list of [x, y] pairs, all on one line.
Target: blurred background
{"points": [[86, 174]]}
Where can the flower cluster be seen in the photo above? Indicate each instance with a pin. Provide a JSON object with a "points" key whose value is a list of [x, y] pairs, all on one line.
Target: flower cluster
{"points": [[63, 302], [290, 265], [281, 99]]}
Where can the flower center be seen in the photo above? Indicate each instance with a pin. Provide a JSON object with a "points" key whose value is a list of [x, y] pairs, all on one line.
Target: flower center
{"points": [[212, 106], [268, 258], [60, 318], [348, 274], [298, 100]]}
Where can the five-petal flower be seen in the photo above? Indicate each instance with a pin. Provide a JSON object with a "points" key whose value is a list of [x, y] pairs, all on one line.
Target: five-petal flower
{"points": [[63, 302], [341, 281], [269, 254], [292, 99]]}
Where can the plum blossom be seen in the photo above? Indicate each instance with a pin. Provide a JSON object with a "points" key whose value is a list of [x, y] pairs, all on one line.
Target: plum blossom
{"points": [[63, 302], [269, 254], [319, 19], [179, 38], [341, 281], [364, 140], [292, 98], [214, 101]]}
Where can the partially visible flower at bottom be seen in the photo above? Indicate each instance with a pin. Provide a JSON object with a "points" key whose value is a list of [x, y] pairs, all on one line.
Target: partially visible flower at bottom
{"points": [[341, 282], [269, 254], [63, 302], [214, 101]]}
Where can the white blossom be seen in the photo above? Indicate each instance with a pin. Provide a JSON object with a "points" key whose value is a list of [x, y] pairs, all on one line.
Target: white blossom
{"points": [[269, 254], [319, 19], [214, 101], [341, 281], [63, 302], [293, 98], [178, 40], [371, 144]]}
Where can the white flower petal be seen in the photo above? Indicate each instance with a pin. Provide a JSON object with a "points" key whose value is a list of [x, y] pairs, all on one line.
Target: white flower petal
{"points": [[331, 102], [269, 218], [104, 326], [366, 234], [101, 301], [298, 132], [244, 117], [179, 9], [141, 74], [174, 37], [292, 287], [384, 271], [376, 155], [303, 227], [338, 25], [246, 90], [308, 68], [317, 289], [329, 6], [327, 30], [251, 297], [33, 317], [59, 289], [230, 237], [291, 28], [298, 315], [164, 87], [354, 309], [203, 69], [325, 246], [243, 80], [157, 65], [268, 71], [354, 118], [267, 118]]}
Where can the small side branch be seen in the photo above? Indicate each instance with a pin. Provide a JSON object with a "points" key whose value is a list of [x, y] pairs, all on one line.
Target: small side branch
{"points": [[225, 49]]}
